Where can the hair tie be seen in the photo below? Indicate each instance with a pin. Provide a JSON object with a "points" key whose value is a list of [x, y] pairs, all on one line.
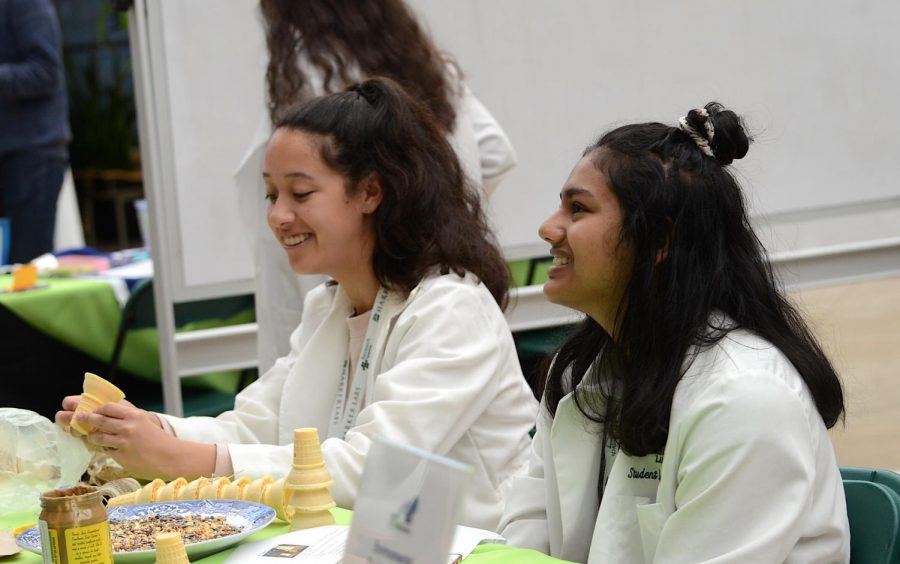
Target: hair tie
{"points": [[702, 142]]}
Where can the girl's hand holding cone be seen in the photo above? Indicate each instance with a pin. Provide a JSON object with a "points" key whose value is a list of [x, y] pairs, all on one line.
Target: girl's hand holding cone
{"points": [[133, 437], [137, 441]]}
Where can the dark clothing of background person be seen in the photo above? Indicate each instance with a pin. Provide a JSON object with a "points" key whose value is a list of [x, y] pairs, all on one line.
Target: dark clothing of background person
{"points": [[34, 124]]}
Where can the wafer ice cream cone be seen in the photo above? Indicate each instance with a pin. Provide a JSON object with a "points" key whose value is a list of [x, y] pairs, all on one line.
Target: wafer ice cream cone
{"points": [[256, 489], [192, 490], [97, 392], [275, 496], [309, 466], [214, 488], [89, 402], [102, 389], [307, 449], [235, 489], [149, 492], [170, 549], [170, 491], [86, 404]]}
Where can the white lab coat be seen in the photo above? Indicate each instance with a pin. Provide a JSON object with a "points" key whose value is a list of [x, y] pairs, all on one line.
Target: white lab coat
{"points": [[486, 155], [446, 380], [748, 475]]}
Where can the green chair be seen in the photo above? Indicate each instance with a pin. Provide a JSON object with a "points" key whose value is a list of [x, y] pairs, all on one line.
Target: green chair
{"points": [[873, 509]]}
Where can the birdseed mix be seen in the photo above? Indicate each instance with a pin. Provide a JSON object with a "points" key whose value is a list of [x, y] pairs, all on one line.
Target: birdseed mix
{"points": [[129, 535]]}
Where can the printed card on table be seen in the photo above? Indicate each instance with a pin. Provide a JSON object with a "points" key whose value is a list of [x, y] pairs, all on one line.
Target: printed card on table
{"points": [[407, 507]]}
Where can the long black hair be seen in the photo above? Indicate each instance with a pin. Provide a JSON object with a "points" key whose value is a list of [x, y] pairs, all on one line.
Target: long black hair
{"points": [[428, 216], [684, 205]]}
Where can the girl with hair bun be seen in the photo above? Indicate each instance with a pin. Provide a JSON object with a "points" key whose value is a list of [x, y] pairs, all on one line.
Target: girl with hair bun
{"points": [[408, 338], [686, 418]]}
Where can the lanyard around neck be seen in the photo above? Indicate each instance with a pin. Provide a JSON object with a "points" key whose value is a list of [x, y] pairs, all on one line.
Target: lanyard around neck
{"points": [[346, 406]]}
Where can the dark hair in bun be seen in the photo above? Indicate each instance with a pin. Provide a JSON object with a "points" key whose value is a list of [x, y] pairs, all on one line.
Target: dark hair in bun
{"points": [[720, 129]]}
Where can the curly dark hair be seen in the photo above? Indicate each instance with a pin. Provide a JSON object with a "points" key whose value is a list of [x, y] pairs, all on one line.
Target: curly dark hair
{"points": [[677, 198], [343, 37], [428, 217]]}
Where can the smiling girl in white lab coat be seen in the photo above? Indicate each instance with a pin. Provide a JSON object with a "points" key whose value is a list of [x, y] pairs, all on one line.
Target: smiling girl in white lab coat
{"points": [[686, 418], [408, 341]]}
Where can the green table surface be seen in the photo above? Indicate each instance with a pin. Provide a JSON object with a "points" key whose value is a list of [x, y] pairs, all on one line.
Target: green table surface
{"points": [[85, 315], [483, 554]]}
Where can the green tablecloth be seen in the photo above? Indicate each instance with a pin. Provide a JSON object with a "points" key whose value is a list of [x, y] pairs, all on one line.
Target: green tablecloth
{"points": [[483, 554], [85, 315]]}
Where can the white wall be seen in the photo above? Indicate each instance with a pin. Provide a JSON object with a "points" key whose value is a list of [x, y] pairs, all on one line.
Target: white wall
{"points": [[818, 82]]}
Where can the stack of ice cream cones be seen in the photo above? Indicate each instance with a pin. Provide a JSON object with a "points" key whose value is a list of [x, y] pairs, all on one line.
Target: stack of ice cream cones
{"points": [[307, 485]]}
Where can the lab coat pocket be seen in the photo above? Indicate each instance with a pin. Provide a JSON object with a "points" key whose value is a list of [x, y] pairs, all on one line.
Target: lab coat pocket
{"points": [[651, 518], [616, 536]]}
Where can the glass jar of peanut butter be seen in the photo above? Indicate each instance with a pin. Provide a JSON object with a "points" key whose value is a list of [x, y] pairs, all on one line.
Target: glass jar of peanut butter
{"points": [[74, 527]]}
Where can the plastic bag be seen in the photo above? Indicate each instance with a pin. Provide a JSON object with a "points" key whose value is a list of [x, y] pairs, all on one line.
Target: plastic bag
{"points": [[36, 455]]}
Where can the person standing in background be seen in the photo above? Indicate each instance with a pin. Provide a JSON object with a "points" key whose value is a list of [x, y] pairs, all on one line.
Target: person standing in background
{"points": [[34, 124], [321, 46]]}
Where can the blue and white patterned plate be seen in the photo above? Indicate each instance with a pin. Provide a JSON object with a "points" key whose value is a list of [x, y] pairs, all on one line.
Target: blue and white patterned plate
{"points": [[246, 515]]}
